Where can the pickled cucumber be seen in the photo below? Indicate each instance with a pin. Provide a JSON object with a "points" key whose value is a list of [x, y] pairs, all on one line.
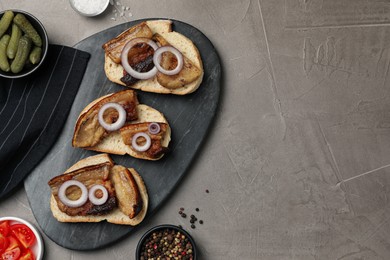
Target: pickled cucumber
{"points": [[14, 41], [4, 64], [21, 21], [22, 53], [5, 21], [35, 55]]}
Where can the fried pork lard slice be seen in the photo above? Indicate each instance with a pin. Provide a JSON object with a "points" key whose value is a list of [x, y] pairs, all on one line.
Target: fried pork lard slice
{"points": [[156, 148], [89, 176], [88, 131]]}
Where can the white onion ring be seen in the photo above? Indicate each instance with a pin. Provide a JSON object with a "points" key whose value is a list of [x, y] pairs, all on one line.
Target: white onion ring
{"points": [[157, 58], [125, 59], [73, 203], [121, 119], [92, 197], [154, 128], [141, 148]]}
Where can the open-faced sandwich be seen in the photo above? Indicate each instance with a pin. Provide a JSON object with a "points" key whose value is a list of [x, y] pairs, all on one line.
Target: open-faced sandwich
{"points": [[95, 189], [118, 124], [151, 57]]}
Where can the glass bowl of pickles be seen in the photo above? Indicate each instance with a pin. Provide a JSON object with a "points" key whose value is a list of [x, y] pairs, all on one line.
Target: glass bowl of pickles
{"points": [[23, 43]]}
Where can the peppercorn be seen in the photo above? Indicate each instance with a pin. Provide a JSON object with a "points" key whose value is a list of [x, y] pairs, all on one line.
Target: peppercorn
{"points": [[166, 244]]}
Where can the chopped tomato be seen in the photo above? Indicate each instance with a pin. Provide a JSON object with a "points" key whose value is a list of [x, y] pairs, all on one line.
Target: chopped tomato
{"points": [[3, 243], [4, 228], [28, 255], [13, 254], [12, 243], [23, 234]]}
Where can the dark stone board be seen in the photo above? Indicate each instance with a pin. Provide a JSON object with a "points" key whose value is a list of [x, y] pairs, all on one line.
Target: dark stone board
{"points": [[190, 118]]}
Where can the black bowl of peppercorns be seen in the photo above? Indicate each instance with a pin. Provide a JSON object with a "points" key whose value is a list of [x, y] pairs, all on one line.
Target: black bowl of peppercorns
{"points": [[166, 242]]}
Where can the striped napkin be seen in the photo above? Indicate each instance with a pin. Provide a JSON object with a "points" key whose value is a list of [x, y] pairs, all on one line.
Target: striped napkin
{"points": [[33, 111]]}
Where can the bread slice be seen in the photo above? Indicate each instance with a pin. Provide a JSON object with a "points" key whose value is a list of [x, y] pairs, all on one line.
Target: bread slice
{"points": [[116, 216], [112, 143], [114, 71]]}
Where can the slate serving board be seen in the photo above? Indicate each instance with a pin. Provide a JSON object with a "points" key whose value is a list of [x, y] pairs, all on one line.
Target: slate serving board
{"points": [[189, 116]]}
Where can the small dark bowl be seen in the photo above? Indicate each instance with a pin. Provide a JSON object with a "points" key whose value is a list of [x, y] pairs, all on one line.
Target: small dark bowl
{"points": [[27, 70], [160, 228]]}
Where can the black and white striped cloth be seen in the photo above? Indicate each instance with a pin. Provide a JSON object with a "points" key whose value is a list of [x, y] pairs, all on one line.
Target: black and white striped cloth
{"points": [[33, 111]]}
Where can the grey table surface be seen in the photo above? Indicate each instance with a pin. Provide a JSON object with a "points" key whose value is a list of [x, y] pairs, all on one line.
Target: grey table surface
{"points": [[298, 160]]}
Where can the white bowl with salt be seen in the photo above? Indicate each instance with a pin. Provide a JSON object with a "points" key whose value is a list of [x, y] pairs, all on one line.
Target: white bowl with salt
{"points": [[89, 7]]}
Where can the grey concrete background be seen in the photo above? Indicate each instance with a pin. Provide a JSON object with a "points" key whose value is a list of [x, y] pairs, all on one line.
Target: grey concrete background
{"points": [[298, 161]]}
